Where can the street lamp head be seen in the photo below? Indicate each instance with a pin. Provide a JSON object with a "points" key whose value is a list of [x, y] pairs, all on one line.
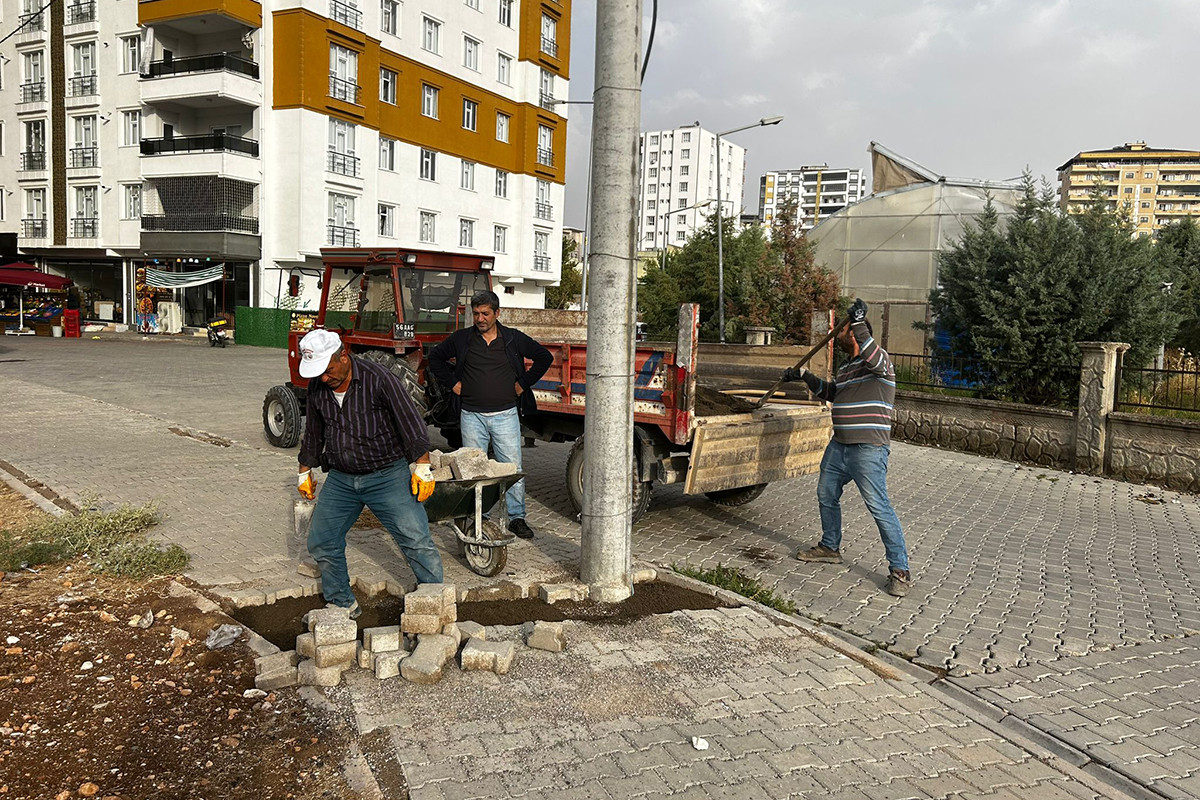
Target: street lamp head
{"points": [[771, 120]]}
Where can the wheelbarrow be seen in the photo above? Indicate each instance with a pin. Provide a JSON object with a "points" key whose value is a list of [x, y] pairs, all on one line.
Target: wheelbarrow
{"points": [[459, 505]]}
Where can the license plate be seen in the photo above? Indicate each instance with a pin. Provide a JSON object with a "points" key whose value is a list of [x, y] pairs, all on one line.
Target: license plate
{"points": [[404, 330]]}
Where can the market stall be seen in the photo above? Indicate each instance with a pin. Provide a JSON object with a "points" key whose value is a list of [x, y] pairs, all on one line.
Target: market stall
{"points": [[44, 311]]}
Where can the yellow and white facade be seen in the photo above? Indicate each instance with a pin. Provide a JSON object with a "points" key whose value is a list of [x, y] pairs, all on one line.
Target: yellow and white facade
{"points": [[1157, 186]]}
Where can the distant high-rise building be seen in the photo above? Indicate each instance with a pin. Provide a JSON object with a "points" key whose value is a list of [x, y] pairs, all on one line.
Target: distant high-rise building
{"points": [[679, 184], [1158, 186], [818, 190]]}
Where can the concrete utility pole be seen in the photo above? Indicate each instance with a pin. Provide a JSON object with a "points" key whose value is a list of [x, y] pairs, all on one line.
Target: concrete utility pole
{"points": [[612, 262]]}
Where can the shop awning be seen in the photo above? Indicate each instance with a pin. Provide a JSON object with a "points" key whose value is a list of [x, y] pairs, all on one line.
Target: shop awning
{"points": [[32, 278]]}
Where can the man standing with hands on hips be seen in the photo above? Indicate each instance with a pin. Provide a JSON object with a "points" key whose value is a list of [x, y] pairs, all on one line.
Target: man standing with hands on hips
{"points": [[493, 389], [365, 431], [862, 394]]}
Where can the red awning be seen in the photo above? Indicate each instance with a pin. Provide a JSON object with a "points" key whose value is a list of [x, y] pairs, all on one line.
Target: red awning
{"points": [[32, 278]]}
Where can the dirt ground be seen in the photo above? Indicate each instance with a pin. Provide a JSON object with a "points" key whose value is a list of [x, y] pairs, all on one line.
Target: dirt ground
{"points": [[92, 706]]}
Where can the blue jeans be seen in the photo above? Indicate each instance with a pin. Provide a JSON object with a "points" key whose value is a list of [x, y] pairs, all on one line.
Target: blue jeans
{"points": [[501, 429], [387, 492], [866, 465]]}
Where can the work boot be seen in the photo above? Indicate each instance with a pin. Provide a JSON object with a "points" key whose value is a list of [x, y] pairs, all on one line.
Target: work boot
{"points": [[520, 528], [898, 582], [820, 553]]}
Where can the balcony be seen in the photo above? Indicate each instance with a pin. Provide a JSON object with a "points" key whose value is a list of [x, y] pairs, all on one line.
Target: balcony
{"points": [[81, 12], [343, 164], [347, 15], [34, 92], [550, 47], [338, 236], [82, 157], [31, 23], [545, 156], [541, 263], [547, 101], [342, 89], [34, 228], [201, 154], [202, 142], [543, 211], [200, 81], [82, 85], [208, 62], [85, 227], [194, 223], [33, 160]]}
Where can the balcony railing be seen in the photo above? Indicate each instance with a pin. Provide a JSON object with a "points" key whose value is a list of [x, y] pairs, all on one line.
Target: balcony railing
{"points": [[543, 211], [33, 228], [84, 156], [34, 92], [545, 156], [345, 14], [541, 263], [550, 47], [81, 12], [338, 236], [199, 222], [34, 21], [547, 101], [342, 89], [209, 62], [343, 163], [85, 227], [83, 85], [199, 143], [35, 159]]}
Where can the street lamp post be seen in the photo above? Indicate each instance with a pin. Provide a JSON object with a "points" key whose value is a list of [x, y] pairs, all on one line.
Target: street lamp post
{"points": [[721, 213]]}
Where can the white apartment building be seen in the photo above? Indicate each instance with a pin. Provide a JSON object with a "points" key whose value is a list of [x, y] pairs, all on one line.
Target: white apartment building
{"points": [[184, 134], [818, 190], [679, 184]]}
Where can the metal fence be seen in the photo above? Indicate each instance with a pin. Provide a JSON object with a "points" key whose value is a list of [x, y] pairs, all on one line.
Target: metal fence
{"points": [[1158, 389], [1015, 381]]}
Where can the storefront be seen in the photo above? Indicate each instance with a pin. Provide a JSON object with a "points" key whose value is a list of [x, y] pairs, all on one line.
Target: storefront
{"points": [[100, 285], [33, 302], [204, 289]]}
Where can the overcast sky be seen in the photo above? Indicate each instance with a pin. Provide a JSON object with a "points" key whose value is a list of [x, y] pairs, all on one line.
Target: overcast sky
{"points": [[969, 88]]}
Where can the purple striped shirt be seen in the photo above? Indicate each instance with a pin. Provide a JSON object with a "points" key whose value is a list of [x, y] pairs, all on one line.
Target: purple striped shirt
{"points": [[377, 424]]}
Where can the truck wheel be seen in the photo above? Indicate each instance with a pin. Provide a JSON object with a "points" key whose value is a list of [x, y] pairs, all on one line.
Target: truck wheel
{"points": [[640, 490], [737, 497], [404, 371], [281, 417]]}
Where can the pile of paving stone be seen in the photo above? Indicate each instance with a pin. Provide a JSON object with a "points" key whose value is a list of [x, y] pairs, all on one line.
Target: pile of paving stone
{"points": [[428, 638], [465, 464]]}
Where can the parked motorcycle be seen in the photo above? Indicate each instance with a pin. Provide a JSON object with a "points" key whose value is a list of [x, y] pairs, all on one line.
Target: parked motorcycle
{"points": [[216, 333]]}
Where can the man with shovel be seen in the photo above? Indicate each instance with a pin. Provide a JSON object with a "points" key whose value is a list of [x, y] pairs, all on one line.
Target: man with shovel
{"points": [[363, 429], [862, 395]]}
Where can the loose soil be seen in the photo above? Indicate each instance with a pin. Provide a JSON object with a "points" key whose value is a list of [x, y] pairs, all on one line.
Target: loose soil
{"points": [[90, 706], [711, 403], [279, 623]]}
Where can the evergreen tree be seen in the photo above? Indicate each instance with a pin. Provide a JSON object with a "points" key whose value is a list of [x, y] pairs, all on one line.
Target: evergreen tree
{"points": [[1178, 255], [570, 285]]}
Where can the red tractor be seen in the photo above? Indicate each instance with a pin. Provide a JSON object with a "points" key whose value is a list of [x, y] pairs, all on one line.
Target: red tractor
{"points": [[388, 306]]}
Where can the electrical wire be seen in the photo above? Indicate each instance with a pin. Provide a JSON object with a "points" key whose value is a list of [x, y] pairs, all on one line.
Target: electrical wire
{"points": [[649, 44]]}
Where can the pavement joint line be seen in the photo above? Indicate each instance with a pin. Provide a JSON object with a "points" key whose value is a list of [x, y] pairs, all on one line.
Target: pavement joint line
{"points": [[21, 487]]}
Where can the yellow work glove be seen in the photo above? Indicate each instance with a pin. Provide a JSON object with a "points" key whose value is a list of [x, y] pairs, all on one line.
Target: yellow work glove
{"points": [[422, 481], [307, 485]]}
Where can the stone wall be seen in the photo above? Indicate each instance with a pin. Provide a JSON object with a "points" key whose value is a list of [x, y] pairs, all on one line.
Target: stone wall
{"points": [[1149, 449], [1033, 434]]}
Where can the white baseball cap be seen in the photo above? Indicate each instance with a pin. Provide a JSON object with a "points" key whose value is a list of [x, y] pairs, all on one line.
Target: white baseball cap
{"points": [[316, 348]]}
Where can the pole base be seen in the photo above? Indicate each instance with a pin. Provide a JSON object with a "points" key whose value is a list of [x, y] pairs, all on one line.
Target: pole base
{"points": [[609, 594]]}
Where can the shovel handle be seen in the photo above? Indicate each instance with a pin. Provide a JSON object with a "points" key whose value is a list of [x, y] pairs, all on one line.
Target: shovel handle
{"points": [[807, 357]]}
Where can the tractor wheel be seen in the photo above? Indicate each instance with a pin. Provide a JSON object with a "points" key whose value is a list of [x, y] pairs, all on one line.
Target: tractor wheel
{"points": [[737, 497], [282, 420], [403, 370], [639, 490]]}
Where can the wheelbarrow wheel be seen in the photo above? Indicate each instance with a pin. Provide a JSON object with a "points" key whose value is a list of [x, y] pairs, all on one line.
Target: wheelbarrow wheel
{"points": [[485, 561]]}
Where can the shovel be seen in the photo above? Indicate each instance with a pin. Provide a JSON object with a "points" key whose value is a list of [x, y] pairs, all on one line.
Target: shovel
{"points": [[807, 357]]}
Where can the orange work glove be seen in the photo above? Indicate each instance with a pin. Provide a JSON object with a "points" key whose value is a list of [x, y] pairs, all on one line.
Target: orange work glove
{"points": [[422, 481], [307, 485]]}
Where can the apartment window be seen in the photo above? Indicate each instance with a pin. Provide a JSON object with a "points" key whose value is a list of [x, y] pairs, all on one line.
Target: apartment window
{"points": [[504, 69], [473, 4], [428, 227], [654, 172], [389, 16], [471, 53], [679, 236], [429, 100], [683, 171], [683, 186], [428, 166], [1130, 175], [500, 239], [131, 128], [685, 137], [470, 112], [387, 154], [466, 233], [506, 13], [541, 251], [685, 153], [1147, 174], [683, 202], [502, 121], [343, 73], [83, 81], [1147, 190], [549, 36], [546, 88], [35, 205], [545, 148], [431, 34], [131, 53], [387, 220], [501, 183], [83, 154], [468, 176], [34, 156], [681, 219], [85, 209], [650, 221], [651, 203], [1128, 190], [342, 232], [1145, 204], [654, 140], [132, 208], [33, 66], [1143, 219], [387, 86]]}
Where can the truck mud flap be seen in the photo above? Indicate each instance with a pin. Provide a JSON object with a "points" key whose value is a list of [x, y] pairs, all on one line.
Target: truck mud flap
{"points": [[745, 450]]}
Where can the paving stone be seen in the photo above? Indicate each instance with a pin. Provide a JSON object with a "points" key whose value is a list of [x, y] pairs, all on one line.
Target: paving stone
{"points": [[387, 664], [468, 463], [329, 615], [546, 636], [306, 645], [309, 674], [280, 679], [275, 662], [554, 592], [342, 653], [382, 638], [364, 657], [489, 656], [421, 623], [430, 598], [428, 659], [472, 630], [327, 633]]}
